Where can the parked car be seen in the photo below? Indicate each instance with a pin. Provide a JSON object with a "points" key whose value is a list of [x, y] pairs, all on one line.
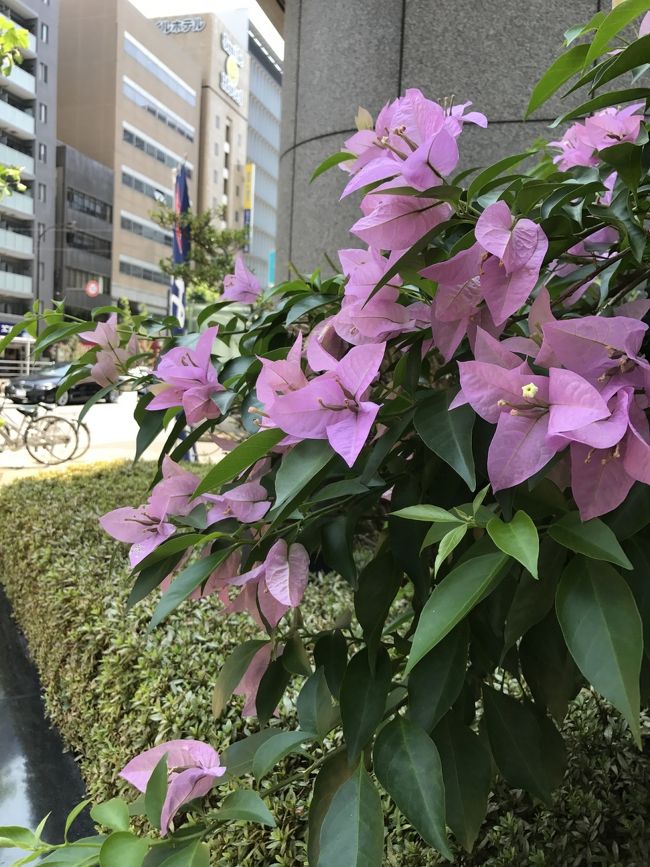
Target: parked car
{"points": [[41, 386]]}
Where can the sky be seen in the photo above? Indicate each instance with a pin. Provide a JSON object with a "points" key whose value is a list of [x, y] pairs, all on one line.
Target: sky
{"points": [[163, 8]]}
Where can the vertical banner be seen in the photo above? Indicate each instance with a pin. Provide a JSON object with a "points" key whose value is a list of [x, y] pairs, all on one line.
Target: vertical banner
{"points": [[180, 247], [249, 195]]}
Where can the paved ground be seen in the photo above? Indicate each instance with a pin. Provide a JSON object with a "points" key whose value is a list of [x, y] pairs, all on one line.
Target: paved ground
{"points": [[113, 432]]}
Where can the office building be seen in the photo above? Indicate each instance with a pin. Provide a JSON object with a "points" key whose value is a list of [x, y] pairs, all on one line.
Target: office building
{"points": [[129, 98], [262, 155], [219, 45], [84, 235], [28, 140]]}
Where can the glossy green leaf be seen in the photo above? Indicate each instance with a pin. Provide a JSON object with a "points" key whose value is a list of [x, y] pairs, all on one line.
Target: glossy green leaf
{"points": [[579, 30], [237, 758], [636, 54], [592, 538], [603, 631], [114, 814], [232, 671], [352, 833], [467, 775], [638, 549], [156, 792], [617, 19], [316, 713], [527, 748], [604, 100], [15, 837], [407, 764], [533, 599], [426, 513], [448, 433], [561, 70], [194, 855], [334, 772], [330, 162], [449, 542], [518, 538], [275, 749], [379, 582], [271, 689], [331, 653], [548, 667], [123, 849], [247, 806], [295, 658], [72, 815], [363, 699], [239, 459], [298, 469], [494, 171], [437, 532], [625, 158], [435, 682], [453, 599]]}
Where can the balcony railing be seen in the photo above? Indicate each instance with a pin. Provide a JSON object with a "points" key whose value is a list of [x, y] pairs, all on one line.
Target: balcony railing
{"points": [[15, 244], [12, 157], [17, 122], [20, 82], [15, 284], [19, 205]]}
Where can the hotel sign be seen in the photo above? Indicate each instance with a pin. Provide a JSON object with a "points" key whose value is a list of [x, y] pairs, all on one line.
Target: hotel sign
{"points": [[191, 24], [230, 76]]}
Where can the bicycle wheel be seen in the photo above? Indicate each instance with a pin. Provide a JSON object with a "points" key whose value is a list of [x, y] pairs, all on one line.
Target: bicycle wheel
{"points": [[51, 440], [83, 439]]}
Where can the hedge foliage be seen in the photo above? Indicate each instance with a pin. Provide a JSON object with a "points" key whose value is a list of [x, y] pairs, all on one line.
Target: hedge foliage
{"points": [[114, 689]]}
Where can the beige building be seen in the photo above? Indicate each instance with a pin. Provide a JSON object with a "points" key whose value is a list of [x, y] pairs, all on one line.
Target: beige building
{"points": [[220, 45], [130, 98]]}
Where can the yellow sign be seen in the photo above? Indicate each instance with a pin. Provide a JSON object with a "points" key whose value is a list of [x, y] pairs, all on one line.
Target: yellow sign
{"points": [[249, 185], [232, 71]]}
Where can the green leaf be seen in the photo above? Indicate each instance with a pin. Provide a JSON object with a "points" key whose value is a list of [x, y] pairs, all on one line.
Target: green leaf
{"points": [[426, 513], [527, 748], [448, 433], [239, 459], [437, 532], [16, 331], [604, 100], [518, 538], [617, 19], [295, 658], [636, 54], [379, 582], [245, 805], [467, 775], [97, 396], [195, 855], [330, 162], [449, 542], [492, 172], [156, 792], [275, 749], [271, 689], [149, 427], [331, 652], [352, 833], [334, 772], [407, 765], [15, 837], [238, 757], [72, 815], [232, 671], [626, 159], [113, 814], [150, 578], [592, 538], [298, 469], [603, 631], [548, 667], [453, 599], [316, 713], [123, 849], [561, 70], [579, 30], [363, 699], [435, 682], [639, 551]]}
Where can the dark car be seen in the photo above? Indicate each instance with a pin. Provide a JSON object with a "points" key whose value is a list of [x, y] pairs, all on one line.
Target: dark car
{"points": [[41, 386]]}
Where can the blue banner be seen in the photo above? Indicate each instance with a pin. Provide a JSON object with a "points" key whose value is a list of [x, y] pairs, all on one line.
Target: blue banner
{"points": [[180, 247]]}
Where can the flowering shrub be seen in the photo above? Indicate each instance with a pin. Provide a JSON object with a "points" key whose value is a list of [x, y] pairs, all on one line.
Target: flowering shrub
{"points": [[471, 393]]}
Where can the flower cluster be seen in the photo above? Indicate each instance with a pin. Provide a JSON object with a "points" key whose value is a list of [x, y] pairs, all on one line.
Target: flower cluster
{"points": [[111, 359], [580, 144]]}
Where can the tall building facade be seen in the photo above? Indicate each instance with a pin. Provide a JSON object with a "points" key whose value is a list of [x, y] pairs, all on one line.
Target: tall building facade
{"points": [[219, 45], [263, 155], [28, 107], [129, 99]]}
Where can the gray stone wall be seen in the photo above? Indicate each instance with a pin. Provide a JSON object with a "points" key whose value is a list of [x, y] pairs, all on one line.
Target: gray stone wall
{"points": [[345, 53]]}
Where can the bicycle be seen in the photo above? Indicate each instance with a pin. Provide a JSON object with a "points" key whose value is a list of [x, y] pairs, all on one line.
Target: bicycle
{"points": [[49, 439]]}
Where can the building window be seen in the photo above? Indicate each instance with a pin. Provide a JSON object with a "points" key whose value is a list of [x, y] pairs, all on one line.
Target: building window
{"points": [[89, 243], [42, 112], [226, 160], [237, 191], [145, 230], [87, 204], [45, 32], [42, 152], [217, 121], [225, 186], [147, 189], [77, 279], [151, 274], [42, 193], [228, 132], [42, 72], [156, 67], [216, 149], [148, 146], [236, 216], [151, 105]]}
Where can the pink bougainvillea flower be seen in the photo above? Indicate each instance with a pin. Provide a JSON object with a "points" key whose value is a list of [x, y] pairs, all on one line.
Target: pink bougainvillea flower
{"points": [[394, 222], [333, 406], [250, 682], [378, 319], [111, 360], [598, 245], [324, 347], [104, 335], [175, 489], [247, 503], [364, 269], [580, 144], [457, 117], [282, 376], [192, 766], [518, 248], [435, 158], [575, 149], [143, 528], [189, 380], [242, 285]]}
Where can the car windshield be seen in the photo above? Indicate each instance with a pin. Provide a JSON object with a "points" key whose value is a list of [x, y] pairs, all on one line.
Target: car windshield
{"points": [[56, 371]]}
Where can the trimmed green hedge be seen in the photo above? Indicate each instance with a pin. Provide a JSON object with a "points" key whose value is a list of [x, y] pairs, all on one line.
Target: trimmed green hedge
{"points": [[114, 689]]}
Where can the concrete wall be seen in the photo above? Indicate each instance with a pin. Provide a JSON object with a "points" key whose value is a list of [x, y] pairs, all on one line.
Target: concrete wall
{"points": [[340, 55]]}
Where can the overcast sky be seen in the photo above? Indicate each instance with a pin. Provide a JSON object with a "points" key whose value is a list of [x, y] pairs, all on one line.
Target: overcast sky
{"points": [[162, 8]]}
